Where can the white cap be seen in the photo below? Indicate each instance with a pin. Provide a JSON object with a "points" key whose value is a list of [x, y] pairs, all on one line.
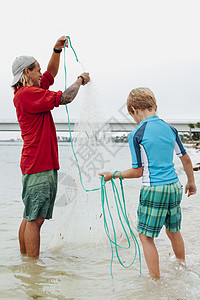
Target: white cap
{"points": [[19, 65]]}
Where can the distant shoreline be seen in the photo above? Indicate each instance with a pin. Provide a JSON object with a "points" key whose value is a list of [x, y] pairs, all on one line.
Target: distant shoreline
{"points": [[116, 139]]}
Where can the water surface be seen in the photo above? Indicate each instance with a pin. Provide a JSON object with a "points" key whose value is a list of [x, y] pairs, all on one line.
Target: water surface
{"points": [[75, 254]]}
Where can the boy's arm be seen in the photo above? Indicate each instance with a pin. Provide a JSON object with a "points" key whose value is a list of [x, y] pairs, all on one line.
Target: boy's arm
{"points": [[190, 187], [130, 173]]}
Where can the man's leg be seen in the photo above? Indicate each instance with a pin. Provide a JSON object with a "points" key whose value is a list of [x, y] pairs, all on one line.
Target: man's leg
{"points": [[177, 244], [21, 236], [32, 237], [151, 255]]}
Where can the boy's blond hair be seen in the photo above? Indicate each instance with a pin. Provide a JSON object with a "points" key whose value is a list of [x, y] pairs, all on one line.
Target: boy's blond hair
{"points": [[24, 80], [141, 98]]}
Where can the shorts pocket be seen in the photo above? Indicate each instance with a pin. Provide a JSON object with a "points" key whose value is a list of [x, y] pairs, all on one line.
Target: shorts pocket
{"points": [[179, 193]]}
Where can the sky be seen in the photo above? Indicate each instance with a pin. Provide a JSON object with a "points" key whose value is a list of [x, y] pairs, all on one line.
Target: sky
{"points": [[122, 44]]}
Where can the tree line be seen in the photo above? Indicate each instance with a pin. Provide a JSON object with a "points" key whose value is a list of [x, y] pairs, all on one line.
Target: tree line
{"points": [[193, 135]]}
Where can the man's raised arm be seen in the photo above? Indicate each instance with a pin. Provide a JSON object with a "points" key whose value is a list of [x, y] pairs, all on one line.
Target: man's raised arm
{"points": [[54, 62]]}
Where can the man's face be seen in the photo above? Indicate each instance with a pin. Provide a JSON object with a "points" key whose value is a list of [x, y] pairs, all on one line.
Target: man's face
{"points": [[35, 74]]}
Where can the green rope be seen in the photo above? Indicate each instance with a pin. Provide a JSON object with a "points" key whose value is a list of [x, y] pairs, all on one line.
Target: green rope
{"points": [[104, 198], [72, 145], [122, 208]]}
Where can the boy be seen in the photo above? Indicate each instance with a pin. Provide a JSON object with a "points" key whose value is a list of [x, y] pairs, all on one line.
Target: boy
{"points": [[152, 145]]}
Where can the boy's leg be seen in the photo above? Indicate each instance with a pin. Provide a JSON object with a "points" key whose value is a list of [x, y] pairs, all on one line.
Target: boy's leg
{"points": [[173, 221], [151, 255], [177, 244]]}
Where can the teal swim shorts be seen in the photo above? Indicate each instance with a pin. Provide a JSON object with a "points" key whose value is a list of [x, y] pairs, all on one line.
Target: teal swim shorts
{"points": [[38, 194], [158, 206]]}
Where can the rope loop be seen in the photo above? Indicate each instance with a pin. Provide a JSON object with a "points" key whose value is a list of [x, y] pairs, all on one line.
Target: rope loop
{"points": [[121, 211], [120, 175]]}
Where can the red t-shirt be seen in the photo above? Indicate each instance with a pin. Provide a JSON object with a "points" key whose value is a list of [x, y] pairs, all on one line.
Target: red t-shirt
{"points": [[33, 105]]}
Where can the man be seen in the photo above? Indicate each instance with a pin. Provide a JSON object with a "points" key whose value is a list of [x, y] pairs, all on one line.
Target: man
{"points": [[39, 159]]}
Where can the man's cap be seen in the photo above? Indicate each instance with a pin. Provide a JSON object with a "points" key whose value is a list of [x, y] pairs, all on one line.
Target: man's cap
{"points": [[19, 65]]}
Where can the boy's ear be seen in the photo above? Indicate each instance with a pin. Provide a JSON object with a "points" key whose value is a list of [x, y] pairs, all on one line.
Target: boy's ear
{"points": [[133, 109]]}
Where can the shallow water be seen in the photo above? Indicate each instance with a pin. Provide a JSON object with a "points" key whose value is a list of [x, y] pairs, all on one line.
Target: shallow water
{"points": [[75, 254]]}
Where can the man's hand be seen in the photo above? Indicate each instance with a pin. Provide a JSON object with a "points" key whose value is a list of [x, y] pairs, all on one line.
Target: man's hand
{"points": [[70, 93], [107, 175], [54, 62], [60, 43], [191, 189], [86, 78]]}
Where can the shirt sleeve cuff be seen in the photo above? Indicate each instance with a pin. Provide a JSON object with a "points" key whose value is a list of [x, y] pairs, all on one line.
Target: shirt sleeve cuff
{"points": [[49, 77], [58, 96], [180, 154], [135, 166]]}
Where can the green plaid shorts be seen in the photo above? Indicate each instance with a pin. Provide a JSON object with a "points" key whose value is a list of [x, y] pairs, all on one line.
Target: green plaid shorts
{"points": [[158, 206], [38, 194]]}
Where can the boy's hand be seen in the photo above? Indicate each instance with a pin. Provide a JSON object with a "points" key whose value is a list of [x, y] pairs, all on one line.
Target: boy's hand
{"points": [[191, 189], [107, 175]]}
